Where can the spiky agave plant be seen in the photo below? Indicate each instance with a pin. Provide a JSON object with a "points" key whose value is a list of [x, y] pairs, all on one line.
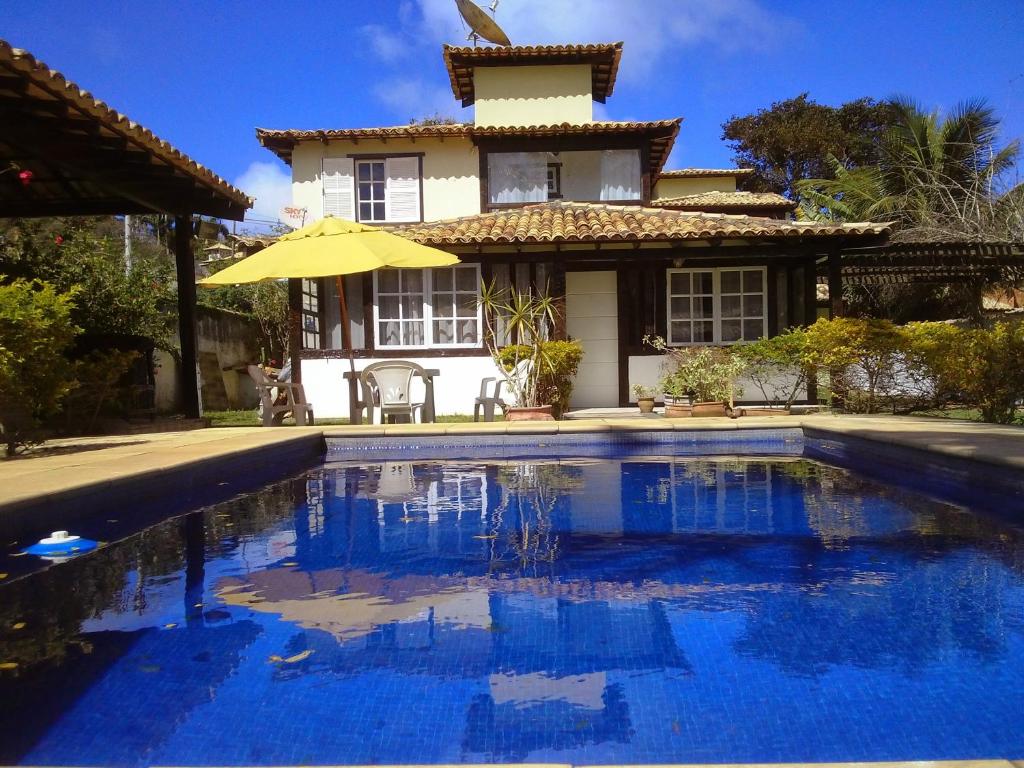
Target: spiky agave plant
{"points": [[527, 318]]}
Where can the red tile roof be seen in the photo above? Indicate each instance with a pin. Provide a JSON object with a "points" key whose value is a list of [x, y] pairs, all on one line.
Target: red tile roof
{"points": [[555, 222], [726, 201], [660, 133], [693, 173]]}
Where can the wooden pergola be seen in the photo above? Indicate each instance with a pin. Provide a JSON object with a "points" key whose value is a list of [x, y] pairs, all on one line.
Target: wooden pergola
{"points": [[65, 153]]}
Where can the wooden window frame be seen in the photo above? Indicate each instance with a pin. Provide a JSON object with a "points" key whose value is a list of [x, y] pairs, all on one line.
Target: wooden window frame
{"points": [[716, 304]]}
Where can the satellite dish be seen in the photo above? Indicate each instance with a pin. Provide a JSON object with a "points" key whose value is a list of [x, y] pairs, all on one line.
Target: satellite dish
{"points": [[481, 24]]}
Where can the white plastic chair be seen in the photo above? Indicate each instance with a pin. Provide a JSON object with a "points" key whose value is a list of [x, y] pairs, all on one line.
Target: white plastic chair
{"points": [[387, 386], [488, 402], [295, 403]]}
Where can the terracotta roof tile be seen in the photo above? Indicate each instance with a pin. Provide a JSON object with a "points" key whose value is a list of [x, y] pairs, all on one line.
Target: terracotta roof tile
{"points": [[25, 65], [661, 134], [602, 57], [693, 173], [724, 201], [597, 222]]}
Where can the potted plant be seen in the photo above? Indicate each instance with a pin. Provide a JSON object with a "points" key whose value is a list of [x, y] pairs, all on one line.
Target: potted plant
{"points": [[677, 395], [706, 374], [644, 398], [528, 319]]}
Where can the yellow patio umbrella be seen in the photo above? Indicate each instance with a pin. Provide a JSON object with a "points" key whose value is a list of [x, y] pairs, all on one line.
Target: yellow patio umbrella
{"points": [[331, 247]]}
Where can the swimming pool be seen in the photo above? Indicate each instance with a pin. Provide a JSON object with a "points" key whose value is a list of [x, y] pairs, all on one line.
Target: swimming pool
{"points": [[628, 610]]}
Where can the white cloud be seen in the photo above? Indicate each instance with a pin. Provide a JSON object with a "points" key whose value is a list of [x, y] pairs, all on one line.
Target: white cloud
{"points": [[649, 29], [413, 97], [270, 184], [387, 45]]}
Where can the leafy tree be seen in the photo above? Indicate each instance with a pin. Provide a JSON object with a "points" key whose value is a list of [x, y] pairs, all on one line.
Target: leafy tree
{"points": [[266, 303], [792, 139], [87, 254], [36, 329], [936, 178]]}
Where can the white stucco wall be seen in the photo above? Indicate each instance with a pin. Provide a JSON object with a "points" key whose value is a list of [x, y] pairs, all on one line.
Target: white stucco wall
{"points": [[647, 370], [454, 390], [451, 172], [694, 186], [542, 95]]}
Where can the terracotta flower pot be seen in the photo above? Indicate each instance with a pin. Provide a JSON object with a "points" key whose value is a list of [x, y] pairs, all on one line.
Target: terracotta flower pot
{"points": [[677, 408], [646, 404], [709, 409], [537, 413]]}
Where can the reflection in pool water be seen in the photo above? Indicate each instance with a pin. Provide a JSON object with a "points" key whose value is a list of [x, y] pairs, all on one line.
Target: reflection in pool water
{"points": [[596, 611]]}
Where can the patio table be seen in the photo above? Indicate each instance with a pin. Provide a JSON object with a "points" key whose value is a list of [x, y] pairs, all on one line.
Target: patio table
{"points": [[356, 405]]}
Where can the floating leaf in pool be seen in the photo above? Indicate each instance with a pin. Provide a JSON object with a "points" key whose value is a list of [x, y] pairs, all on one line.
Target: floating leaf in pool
{"points": [[676, 727], [172, 625], [19, 625], [198, 605], [6, 665], [112, 520], [150, 669], [18, 554], [3, 575], [291, 659], [488, 536], [289, 565]]}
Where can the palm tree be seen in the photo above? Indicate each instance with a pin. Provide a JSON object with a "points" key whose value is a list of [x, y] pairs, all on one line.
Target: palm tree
{"points": [[935, 177]]}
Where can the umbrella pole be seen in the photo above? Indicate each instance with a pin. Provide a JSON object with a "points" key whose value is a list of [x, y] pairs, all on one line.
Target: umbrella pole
{"points": [[346, 343]]}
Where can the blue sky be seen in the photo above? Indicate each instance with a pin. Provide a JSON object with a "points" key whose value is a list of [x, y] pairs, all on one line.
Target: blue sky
{"points": [[204, 73]]}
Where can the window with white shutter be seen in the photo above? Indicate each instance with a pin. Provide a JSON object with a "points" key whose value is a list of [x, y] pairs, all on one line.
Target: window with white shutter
{"points": [[339, 190], [403, 189]]}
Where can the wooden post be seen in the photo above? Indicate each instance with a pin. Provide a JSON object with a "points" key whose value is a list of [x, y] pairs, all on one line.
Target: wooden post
{"points": [[810, 303], [837, 307], [295, 327], [186, 272]]}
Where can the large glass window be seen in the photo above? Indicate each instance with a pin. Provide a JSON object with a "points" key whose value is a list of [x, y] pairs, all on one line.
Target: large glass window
{"points": [[428, 307], [371, 190], [716, 306], [520, 178]]}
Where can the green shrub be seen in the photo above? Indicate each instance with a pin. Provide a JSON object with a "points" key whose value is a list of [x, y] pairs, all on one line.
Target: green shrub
{"points": [[777, 366], [560, 362], [706, 374], [990, 367], [35, 332], [860, 357], [99, 390]]}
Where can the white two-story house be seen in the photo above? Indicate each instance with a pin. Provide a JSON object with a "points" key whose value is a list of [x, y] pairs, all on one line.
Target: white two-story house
{"points": [[537, 194]]}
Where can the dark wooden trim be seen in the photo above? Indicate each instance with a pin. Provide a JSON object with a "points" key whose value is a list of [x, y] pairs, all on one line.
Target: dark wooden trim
{"points": [[837, 307], [645, 174], [622, 313], [771, 298], [563, 143], [402, 354], [382, 155], [484, 182], [184, 262], [810, 274], [558, 291], [295, 326], [369, 327]]}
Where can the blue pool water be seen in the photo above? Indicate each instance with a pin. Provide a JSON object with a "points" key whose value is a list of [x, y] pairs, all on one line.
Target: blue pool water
{"points": [[588, 611]]}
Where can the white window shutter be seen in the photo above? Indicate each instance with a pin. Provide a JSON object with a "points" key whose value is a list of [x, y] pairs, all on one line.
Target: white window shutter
{"points": [[339, 188], [403, 190]]}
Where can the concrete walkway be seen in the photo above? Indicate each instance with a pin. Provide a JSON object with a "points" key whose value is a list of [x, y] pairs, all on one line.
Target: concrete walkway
{"points": [[92, 465]]}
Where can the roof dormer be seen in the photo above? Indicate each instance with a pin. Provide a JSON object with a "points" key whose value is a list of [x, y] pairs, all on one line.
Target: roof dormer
{"points": [[533, 85]]}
